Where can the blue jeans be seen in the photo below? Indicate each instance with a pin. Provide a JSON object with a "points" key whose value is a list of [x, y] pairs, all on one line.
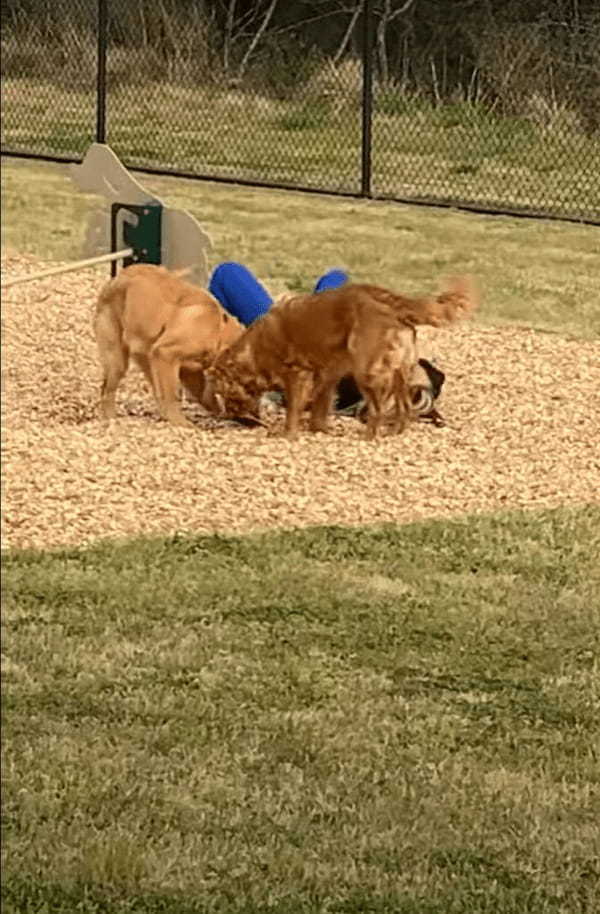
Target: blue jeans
{"points": [[244, 297]]}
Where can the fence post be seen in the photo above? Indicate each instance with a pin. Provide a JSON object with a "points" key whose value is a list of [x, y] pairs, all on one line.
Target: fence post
{"points": [[101, 71], [367, 98]]}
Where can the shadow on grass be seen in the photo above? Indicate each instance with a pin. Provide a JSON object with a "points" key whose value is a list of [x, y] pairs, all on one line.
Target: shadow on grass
{"points": [[491, 889]]}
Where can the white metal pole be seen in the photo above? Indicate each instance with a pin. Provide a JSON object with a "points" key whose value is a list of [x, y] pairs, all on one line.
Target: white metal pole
{"points": [[70, 267]]}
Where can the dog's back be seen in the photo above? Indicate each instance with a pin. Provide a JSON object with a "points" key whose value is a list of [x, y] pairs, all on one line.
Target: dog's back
{"points": [[311, 329], [145, 300]]}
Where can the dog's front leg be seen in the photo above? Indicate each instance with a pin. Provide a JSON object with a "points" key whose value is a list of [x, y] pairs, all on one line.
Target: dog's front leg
{"points": [[374, 396], [165, 377], [297, 391], [374, 420]]}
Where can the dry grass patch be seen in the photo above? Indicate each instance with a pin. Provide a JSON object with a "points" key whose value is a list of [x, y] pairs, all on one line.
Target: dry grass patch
{"points": [[533, 273]]}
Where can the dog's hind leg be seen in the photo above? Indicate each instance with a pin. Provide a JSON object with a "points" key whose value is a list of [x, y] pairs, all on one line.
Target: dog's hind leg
{"points": [[114, 359], [403, 402], [321, 406], [375, 397]]}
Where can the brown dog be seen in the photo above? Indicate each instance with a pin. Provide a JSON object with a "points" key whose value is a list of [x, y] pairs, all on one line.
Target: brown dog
{"points": [[171, 328], [306, 344]]}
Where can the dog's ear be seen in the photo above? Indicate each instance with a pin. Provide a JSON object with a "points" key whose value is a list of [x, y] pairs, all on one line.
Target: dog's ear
{"points": [[435, 376], [244, 361]]}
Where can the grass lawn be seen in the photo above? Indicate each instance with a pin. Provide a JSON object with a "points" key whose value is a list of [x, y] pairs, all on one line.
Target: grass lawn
{"points": [[386, 720], [532, 272], [454, 152]]}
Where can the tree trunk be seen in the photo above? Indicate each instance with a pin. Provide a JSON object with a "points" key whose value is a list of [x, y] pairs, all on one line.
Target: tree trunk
{"points": [[228, 35]]}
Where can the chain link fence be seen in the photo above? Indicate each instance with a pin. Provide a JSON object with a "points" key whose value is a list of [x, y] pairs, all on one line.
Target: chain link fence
{"points": [[349, 97], [49, 80]]}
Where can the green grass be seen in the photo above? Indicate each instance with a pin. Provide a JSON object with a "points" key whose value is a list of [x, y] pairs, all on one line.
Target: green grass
{"points": [[384, 721], [456, 151], [328, 720], [532, 272]]}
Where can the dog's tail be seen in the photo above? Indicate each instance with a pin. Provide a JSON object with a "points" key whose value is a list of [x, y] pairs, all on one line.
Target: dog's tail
{"points": [[112, 293], [110, 304], [458, 298], [182, 272]]}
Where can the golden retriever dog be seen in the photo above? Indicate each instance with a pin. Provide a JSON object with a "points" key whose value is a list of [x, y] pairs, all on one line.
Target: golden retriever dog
{"points": [[306, 344], [172, 329]]}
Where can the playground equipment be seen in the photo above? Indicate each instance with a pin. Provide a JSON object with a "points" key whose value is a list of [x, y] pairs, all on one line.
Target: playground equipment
{"points": [[136, 228]]}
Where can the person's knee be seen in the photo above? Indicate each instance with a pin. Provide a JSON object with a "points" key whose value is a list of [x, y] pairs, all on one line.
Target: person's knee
{"points": [[228, 274], [239, 291], [333, 279], [230, 268]]}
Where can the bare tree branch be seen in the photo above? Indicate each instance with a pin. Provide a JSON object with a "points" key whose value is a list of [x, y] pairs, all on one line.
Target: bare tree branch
{"points": [[348, 33], [385, 17], [258, 35], [282, 29], [400, 12]]}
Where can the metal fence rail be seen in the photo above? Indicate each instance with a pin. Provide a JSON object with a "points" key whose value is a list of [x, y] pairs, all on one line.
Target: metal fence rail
{"points": [[331, 124]]}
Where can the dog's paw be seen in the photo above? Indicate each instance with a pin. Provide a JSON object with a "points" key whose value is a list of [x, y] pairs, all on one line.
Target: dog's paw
{"points": [[180, 422]]}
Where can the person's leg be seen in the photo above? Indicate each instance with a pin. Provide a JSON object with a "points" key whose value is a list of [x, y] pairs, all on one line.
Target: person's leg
{"points": [[348, 395], [240, 293]]}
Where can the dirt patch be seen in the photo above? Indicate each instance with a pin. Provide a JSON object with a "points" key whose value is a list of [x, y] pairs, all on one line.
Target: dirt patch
{"points": [[521, 407]]}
